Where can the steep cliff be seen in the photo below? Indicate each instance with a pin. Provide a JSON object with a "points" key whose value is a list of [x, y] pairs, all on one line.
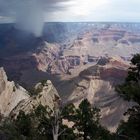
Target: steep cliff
{"points": [[14, 98], [10, 94], [47, 96]]}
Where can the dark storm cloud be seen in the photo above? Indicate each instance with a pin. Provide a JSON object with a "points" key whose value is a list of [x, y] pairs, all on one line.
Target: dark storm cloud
{"points": [[29, 14], [11, 6]]}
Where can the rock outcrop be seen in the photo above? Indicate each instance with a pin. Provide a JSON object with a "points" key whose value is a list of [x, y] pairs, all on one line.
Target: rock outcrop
{"points": [[14, 98], [45, 54], [49, 58], [47, 96], [10, 94]]}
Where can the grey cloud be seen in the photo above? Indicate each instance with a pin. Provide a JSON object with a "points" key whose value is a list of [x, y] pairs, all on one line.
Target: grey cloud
{"points": [[29, 14], [11, 6]]}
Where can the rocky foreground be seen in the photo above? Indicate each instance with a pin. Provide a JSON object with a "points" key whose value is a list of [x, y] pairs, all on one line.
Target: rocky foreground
{"points": [[14, 98]]}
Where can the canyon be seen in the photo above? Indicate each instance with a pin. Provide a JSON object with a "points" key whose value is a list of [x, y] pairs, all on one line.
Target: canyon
{"points": [[82, 60]]}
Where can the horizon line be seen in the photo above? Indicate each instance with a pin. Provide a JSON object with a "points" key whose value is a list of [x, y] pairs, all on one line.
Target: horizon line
{"points": [[138, 22]]}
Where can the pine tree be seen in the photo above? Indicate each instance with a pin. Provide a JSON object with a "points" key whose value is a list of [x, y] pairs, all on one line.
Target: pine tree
{"points": [[130, 90], [86, 122]]}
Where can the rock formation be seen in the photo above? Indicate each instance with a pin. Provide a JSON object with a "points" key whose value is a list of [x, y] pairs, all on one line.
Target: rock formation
{"points": [[97, 84], [14, 98], [47, 96], [10, 94]]}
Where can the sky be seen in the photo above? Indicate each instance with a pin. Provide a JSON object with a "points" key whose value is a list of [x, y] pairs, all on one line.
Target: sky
{"points": [[71, 10]]}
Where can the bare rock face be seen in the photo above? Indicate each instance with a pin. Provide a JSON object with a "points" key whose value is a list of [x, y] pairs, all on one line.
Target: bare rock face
{"points": [[101, 93], [49, 59], [3, 79], [10, 94], [14, 98], [47, 96], [45, 54], [97, 84]]}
